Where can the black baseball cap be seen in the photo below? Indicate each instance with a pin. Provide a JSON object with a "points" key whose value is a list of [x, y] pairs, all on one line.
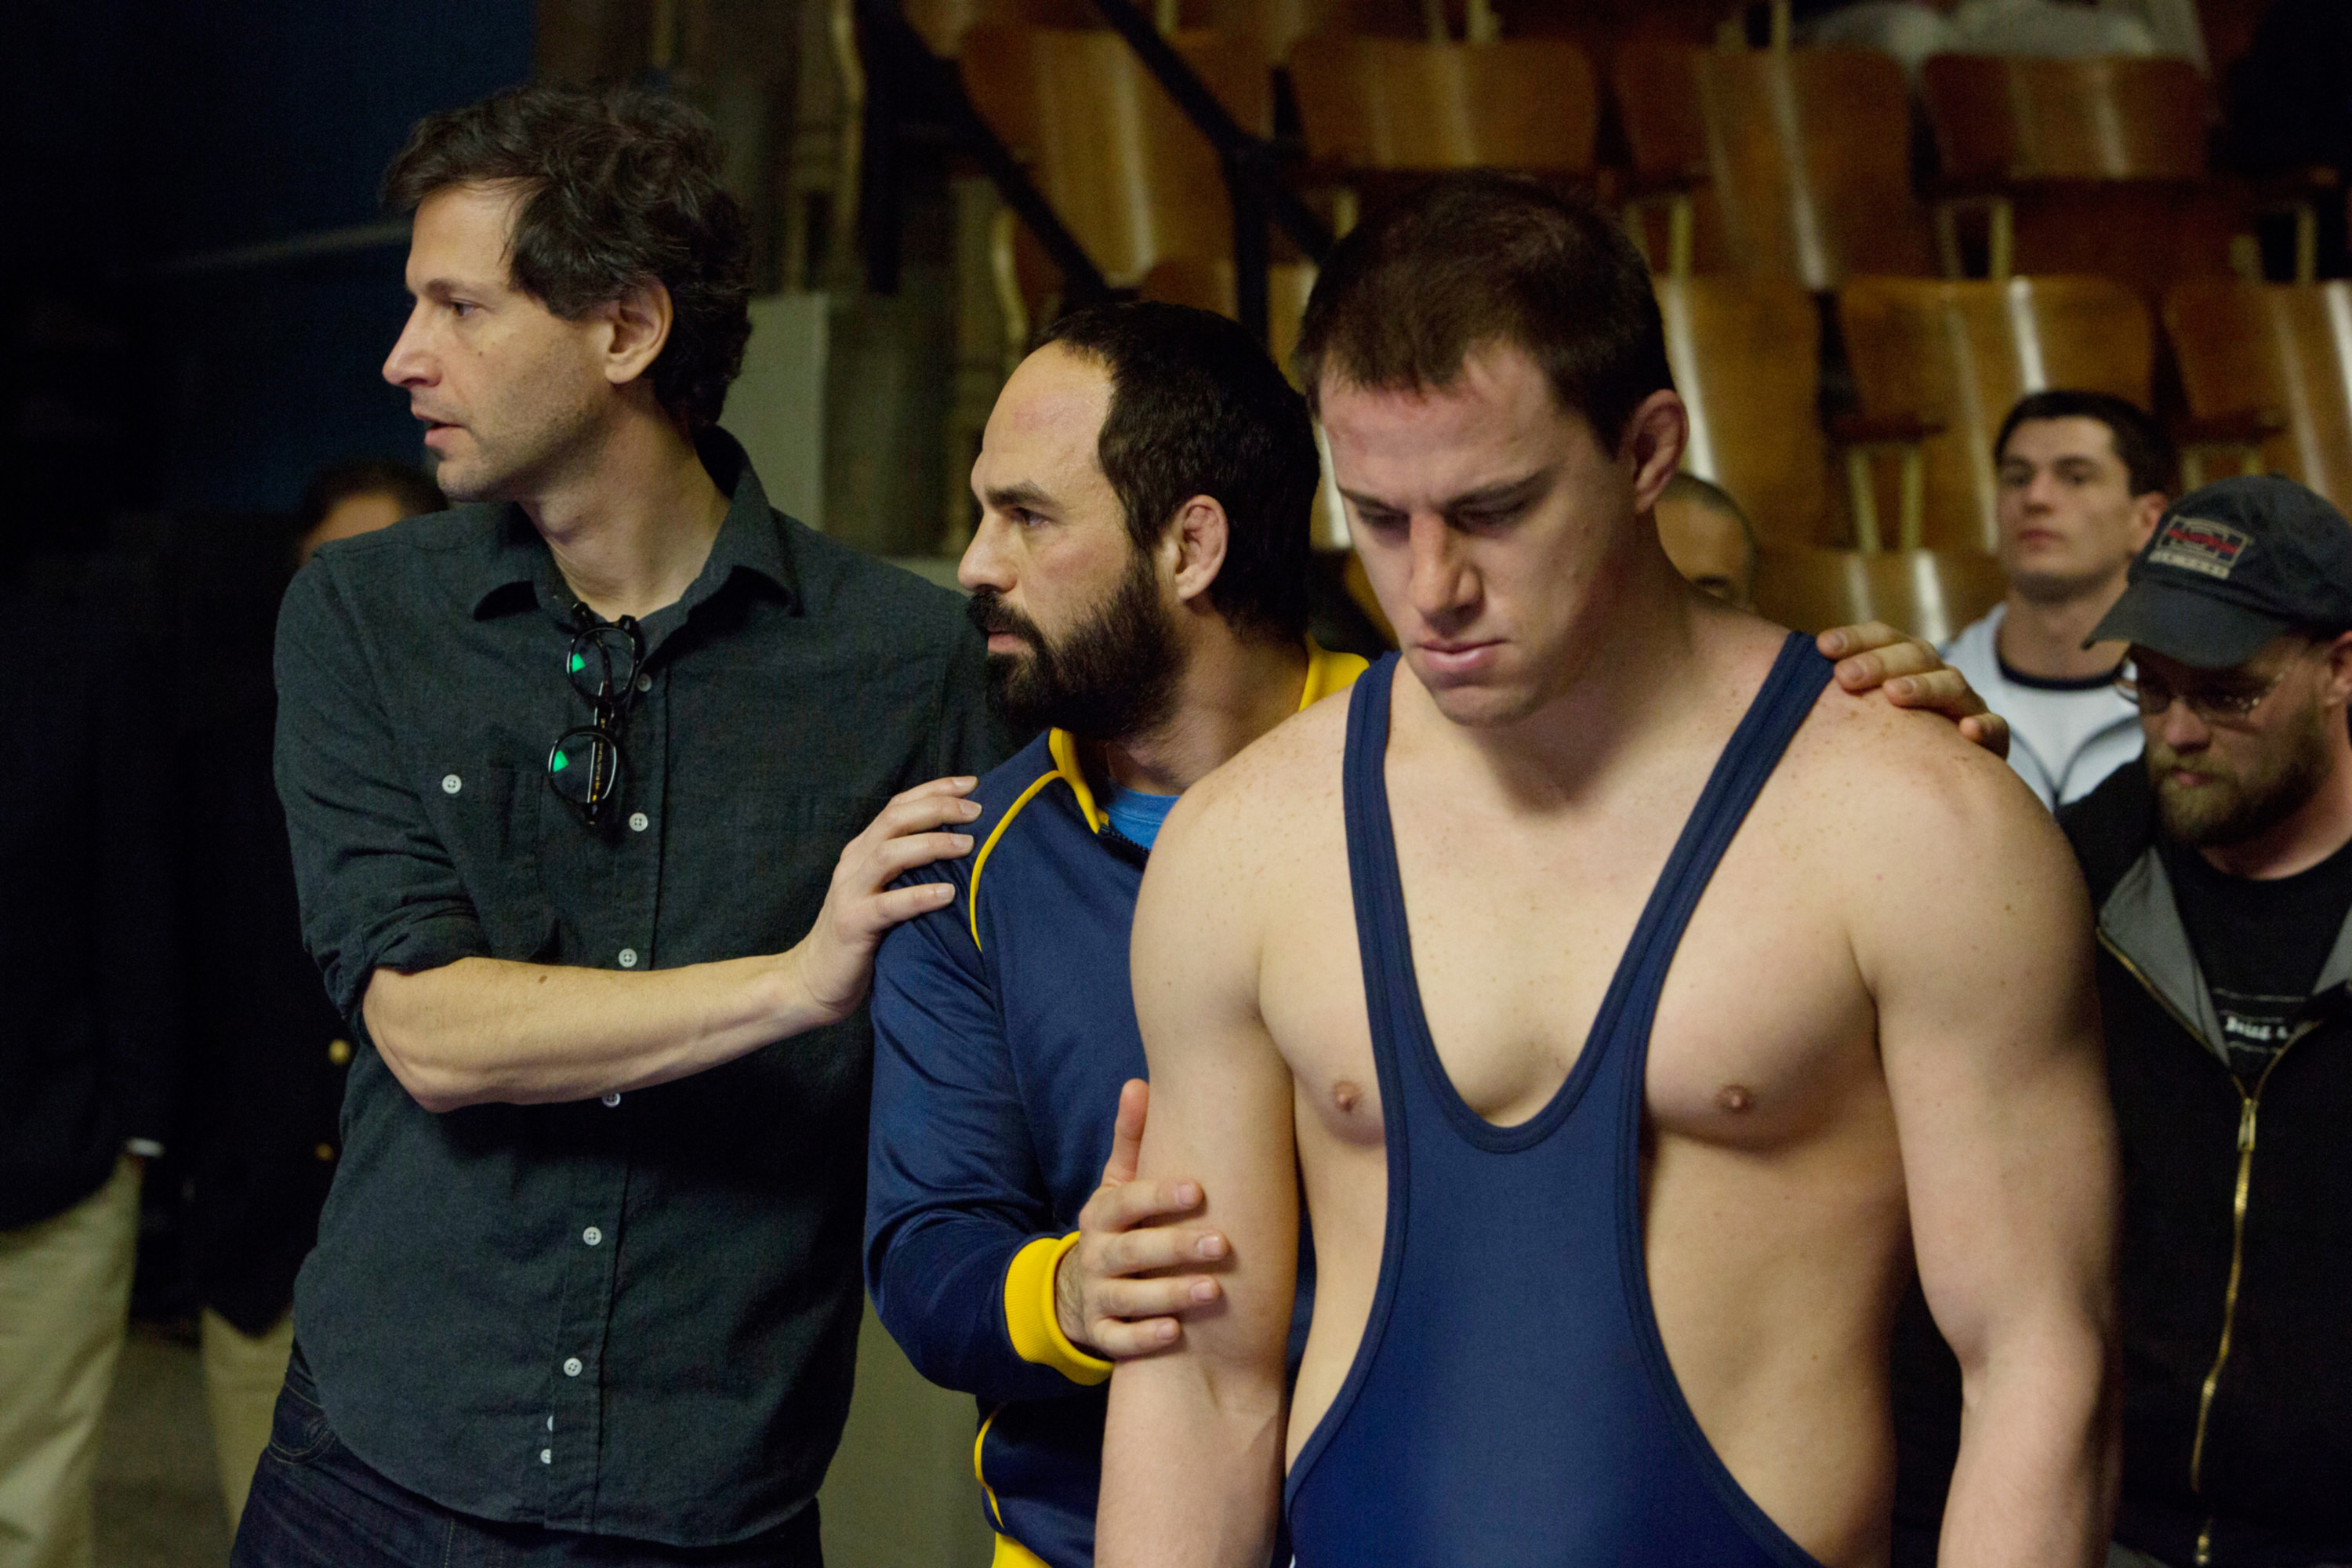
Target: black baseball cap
{"points": [[2231, 566]]}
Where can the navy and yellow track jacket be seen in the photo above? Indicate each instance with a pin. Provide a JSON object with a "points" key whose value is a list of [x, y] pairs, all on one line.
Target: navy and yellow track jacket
{"points": [[1003, 1027]]}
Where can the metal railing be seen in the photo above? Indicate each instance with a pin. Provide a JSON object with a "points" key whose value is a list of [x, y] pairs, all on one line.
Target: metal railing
{"points": [[908, 88], [903, 80]]}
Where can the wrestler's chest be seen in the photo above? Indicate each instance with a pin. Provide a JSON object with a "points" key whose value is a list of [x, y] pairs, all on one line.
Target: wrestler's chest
{"points": [[1759, 1016]]}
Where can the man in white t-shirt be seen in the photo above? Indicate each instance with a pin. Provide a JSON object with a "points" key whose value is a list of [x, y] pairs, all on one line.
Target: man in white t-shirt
{"points": [[2082, 481], [1913, 30]]}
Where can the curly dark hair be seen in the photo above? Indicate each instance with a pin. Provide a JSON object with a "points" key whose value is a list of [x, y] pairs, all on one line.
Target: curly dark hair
{"points": [[621, 188]]}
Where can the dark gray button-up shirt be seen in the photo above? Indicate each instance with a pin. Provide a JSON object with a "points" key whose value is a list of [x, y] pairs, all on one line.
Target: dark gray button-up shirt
{"points": [[633, 1316]]}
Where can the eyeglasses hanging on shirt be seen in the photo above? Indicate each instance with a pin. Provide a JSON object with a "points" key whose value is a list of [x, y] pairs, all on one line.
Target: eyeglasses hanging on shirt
{"points": [[586, 765]]}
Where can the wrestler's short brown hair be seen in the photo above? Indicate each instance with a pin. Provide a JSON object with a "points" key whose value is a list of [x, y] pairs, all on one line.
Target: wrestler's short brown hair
{"points": [[620, 188], [1478, 258]]}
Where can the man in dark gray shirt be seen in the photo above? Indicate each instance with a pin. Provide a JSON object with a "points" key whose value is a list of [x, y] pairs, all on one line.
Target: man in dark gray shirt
{"points": [[568, 776]]}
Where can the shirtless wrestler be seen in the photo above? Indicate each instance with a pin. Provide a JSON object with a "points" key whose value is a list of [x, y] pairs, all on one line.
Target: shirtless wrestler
{"points": [[1613, 1192]]}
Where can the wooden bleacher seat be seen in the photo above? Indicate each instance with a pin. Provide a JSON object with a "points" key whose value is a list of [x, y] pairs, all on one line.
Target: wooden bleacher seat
{"points": [[1939, 364], [1135, 182], [944, 23], [1132, 176], [1746, 356], [1605, 21], [1210, 286], [2008, 117], [1929, 594], [1277, 25], [2084, 166], [1790, 164], [1271, 27], [1376, 106], [2267, 368]]}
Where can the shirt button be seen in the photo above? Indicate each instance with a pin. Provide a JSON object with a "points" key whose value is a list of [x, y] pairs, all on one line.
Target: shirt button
{"points": [[592, 1236], [547, 1456], [451, 783], [572, 1368], [639, 822], [551, 1422], [644, 683], [612, 1098], [339, 1051], [628, 958], [325, 1152]]}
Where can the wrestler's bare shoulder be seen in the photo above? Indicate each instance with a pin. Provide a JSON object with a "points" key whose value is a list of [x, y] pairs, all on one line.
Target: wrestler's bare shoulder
{"points": [[1904, 794], [1270, 791]]}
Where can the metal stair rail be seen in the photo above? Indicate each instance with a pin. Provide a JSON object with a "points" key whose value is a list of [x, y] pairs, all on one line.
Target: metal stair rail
{"points": [[1251, 164], [902, 74]]}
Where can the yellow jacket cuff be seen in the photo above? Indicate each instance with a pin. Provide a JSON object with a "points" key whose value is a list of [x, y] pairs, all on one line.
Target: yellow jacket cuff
{"points": [[1010, 1554], [1030, 1316]]}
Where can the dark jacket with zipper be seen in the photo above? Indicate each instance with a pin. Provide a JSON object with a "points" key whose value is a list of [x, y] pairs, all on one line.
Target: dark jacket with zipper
{"points": [[2234, 1272]]}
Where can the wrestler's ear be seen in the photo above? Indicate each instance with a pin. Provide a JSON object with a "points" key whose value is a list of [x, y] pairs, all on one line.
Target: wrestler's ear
{"points": [[1198, 535], [1652, 446]]}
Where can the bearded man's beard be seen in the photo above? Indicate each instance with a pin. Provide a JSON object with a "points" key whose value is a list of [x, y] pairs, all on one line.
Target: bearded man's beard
{"points": [[1112, 679], [2232, 806]]}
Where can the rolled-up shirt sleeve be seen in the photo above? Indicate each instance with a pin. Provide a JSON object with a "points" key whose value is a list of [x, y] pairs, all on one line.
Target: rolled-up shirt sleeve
{"points": [[378, 887]]}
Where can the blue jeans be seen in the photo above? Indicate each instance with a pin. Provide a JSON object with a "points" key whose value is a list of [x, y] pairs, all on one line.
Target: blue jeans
{"points": [[315, 1504]]}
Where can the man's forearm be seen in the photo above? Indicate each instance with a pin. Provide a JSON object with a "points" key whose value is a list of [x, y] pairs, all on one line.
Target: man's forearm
{"points": [[1191, 1466], [2038, 1464], [483, 1030]]}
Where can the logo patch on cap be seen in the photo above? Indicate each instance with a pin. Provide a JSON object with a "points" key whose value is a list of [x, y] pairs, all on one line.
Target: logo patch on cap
{"points": [[2195, 546]]}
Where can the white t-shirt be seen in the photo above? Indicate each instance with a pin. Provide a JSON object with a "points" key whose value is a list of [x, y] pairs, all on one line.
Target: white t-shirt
{"points": [[2065, 736], [1912, 31]]}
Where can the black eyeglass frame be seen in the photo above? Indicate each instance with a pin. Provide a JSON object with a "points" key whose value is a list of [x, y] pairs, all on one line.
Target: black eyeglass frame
{"points": [[591, 650]]}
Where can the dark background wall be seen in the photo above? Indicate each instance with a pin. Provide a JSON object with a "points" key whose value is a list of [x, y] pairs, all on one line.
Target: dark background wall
{"points": [[274, 121], [192, 325]]}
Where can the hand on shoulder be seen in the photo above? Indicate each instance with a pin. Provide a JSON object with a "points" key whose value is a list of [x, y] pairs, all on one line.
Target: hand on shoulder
{"points": [[1911, 673]]}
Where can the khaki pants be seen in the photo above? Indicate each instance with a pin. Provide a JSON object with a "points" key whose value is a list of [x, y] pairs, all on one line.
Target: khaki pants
{"points": [[65, 1297], [243, 1373]]}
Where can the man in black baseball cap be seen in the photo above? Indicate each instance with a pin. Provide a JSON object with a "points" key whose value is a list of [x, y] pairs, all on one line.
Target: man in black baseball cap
{"points": [[2231, 567], [2221, 870]]}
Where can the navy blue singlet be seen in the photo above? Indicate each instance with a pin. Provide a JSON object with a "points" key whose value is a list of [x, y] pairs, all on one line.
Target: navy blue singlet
{"points": [[1511, 1405]]}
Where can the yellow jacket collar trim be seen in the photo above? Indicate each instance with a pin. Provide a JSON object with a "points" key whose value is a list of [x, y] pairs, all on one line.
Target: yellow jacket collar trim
{"points": [[1064, 747], [1326, 672]]}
